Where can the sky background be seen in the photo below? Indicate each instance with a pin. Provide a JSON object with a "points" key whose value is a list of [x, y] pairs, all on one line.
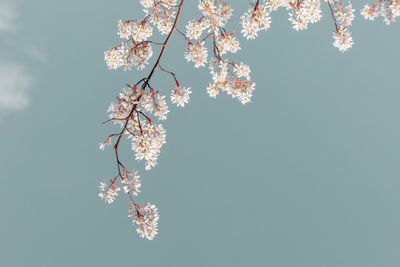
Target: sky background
{"points": [[307, 175]]}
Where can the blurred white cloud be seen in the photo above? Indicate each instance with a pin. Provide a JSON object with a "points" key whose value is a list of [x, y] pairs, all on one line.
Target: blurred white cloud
{"points": [[8, 15], [15, 77], [35, 51], [15, 82]]}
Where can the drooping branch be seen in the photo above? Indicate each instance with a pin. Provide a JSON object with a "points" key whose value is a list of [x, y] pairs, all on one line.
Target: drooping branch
{"points": [[140, 107]]}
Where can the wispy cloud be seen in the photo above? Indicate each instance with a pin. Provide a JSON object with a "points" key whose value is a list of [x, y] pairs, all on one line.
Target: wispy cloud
{"points": [[15, 82], [15, 77], [8, 15], [35, 51]]}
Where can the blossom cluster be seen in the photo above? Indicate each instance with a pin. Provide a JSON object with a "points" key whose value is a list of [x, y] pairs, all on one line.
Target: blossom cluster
{"points": [[343, 15], [140, 109], [302, 13], [226, 75], [256, 19], [388, 9], [129, 54], [231, 78], [131, 112], [135, 50], [145, 216]]}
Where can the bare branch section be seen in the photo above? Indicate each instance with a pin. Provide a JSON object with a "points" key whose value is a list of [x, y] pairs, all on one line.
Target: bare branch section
{"points": [[140, 107]]}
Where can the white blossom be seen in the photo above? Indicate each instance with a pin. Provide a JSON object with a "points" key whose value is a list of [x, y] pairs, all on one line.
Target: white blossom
{"points": [[223, 80], [125, 29], [254, 20], [227, 42], [371, 11], [127, 99], [342, 40], [146, 103], [389, 10], [216, 13], [146, 220], [141, 31], [196, 53], [108, 193], [242, 71], [147, 3], [139, 108], [180, 96], [147, 140], [106, 143], [304, 12], [343, 15], [115, 57], [161, 110], [195, 28], [130, 182], [125, 56], [273, 5], [161, 15]]}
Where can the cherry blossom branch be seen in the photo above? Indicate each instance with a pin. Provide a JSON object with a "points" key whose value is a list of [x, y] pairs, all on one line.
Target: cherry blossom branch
{"points": [[332, 14], [180, 6], [140, 107], [128, 114]]}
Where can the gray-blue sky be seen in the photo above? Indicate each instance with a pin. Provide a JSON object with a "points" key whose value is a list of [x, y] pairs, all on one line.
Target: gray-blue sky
{"points": [[305, 175]]}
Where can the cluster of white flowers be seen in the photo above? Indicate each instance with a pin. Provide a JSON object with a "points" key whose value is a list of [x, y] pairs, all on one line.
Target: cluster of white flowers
{"points": [[236, 83], [147, 140], [130, 182], [108, 192], [121, 110], [301, 14], [140, 31], [135, 50], [127, 56], [154, 104], [138, 105], [140, 108], [388, 9], [215, 15], [161, 13], [146, 218], [227, 42], [255, 20], [227, 76], [196, 53], [180, 96], [195, 28], [343, 15], [147, 137], [304, 12]]}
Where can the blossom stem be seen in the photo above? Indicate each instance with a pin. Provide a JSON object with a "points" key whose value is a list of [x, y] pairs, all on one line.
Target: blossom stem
{"points": [[146, 83], [333, 15]]}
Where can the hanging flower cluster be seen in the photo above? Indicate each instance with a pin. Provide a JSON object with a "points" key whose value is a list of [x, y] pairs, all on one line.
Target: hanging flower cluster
{"points": [[388, 9], [227, 75], [343, 15], [140, 107]]}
